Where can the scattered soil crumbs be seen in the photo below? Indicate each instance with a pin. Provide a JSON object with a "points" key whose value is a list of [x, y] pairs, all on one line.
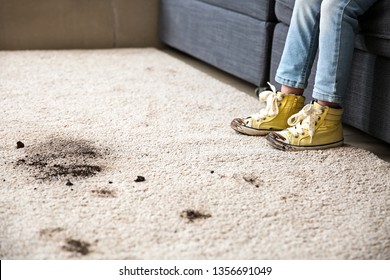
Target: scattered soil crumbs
{"points": [[140, 179], [192, 215], [50, 232], [104, 193], [19, 145], [62, 158], [253, 180], [77, 246]]}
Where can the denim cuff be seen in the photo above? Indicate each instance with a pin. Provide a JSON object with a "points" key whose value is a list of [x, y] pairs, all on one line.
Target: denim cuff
{"points": [[327, 97], [290, 83]]}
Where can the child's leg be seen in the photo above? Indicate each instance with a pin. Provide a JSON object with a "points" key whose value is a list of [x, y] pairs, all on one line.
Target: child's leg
{"points": [[294, 69], [318, 125], [301, 46], [338, 26]]}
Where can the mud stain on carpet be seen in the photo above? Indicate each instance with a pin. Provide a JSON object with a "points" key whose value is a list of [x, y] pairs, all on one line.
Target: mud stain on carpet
{"points": [[104, 192], [192, 215], [252, 179], [50, 232], [62, 158], [77, 246]]}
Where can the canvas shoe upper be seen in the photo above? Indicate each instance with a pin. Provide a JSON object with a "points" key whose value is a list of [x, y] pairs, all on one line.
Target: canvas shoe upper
{"points": [[276, 108], [314, 127]]}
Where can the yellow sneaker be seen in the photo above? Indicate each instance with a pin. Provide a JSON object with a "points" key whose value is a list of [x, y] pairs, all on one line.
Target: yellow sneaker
{"points": [[277, 107], [314, 127]]}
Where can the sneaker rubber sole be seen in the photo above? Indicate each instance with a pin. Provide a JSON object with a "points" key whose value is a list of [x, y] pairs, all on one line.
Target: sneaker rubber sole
{"points": [[239, 126], [272, 140]]}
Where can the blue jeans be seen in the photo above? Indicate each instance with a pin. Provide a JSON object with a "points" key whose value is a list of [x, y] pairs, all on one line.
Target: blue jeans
{"points": [[328, 26]]}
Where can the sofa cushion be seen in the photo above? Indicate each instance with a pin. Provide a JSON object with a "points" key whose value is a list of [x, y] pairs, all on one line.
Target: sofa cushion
{"points": [[375, 34], [375, 28], [374, 45], [375, 22], [367, 101], [231, 41], [263, 10], [283, 10]]}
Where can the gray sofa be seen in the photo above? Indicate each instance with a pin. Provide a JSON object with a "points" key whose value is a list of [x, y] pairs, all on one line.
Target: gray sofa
{"points": [[235, 36], [246, 38]]}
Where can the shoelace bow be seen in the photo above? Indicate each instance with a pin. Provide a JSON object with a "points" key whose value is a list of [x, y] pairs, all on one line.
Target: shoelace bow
{"points": [[304, 120], [270, 98]]}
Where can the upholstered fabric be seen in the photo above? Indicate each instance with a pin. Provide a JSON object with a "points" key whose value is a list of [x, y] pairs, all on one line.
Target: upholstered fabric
{"points": [[375, 34], [368, 100], [234, 42], [263, 9], [283, 10], [375, 28], [375, 45], [375, 22]]}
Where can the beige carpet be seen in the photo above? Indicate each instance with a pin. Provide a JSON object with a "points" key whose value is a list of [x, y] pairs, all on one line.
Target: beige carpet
{"points": [[128, 154]]}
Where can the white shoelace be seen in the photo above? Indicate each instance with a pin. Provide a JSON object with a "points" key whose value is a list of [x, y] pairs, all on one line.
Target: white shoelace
{"points": [[269, 100], [304, 120]]}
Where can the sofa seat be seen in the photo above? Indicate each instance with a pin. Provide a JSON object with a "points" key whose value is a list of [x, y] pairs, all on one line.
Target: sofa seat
{"points": [[262, 10], [375, 32], [374, 35], [233, 37]]}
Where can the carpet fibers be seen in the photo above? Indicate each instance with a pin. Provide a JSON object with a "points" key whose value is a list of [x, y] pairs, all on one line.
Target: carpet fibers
{"points": [[128, 154]]}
